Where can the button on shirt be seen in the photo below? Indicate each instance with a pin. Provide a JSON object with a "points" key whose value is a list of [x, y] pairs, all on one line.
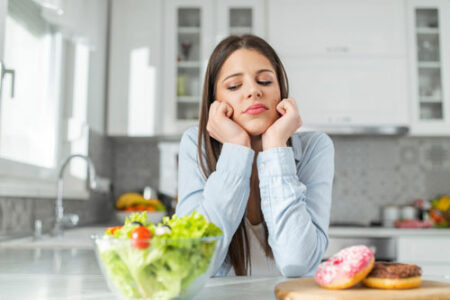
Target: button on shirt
{"points": [[295, 186]]}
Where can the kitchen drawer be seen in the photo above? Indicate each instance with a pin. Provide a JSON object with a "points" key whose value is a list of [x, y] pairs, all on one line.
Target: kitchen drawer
{"points": [[384, 248], [423, 249]]}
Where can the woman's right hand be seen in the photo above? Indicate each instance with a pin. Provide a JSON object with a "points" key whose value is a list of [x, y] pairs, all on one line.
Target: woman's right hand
{"points": [[222, 128]]}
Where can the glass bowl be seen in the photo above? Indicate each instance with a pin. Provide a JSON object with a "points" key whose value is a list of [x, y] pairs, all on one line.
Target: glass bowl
{"points": [[157, 268]]}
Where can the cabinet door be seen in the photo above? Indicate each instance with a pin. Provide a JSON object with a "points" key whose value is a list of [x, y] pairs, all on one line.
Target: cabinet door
{"points": [[240, 17], [345, 27], [334, 92], [429, 41], [188, 44], [135, 68]]}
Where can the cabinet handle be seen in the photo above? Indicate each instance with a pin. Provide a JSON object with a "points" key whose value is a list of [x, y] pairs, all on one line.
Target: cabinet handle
{"points": [[3, 72]]}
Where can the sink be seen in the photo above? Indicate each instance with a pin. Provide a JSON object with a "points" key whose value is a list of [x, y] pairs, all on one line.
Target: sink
{"points": [[79, 238]]}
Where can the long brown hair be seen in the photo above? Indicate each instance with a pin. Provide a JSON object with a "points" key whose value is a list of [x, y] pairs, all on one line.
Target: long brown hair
{"points": [[239, 250]]}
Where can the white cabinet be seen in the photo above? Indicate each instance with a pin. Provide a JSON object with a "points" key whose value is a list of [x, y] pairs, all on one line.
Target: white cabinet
{"points": [[189, 28], [192, 30], [429, 252], [329, 27], [429, 62], [346, 61], [135, 68], [348, 91]]}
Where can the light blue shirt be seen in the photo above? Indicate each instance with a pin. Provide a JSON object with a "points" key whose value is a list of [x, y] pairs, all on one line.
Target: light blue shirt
{"points": [[295, 187]]}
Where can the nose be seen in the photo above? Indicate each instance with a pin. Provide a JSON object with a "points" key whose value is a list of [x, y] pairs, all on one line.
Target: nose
{"points": [[254, 91]]}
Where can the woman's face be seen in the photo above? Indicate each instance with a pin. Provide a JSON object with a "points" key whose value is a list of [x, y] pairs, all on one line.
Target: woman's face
{"points": [[248, 83]]}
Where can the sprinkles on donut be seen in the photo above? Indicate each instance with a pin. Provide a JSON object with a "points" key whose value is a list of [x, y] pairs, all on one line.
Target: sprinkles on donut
{"points": [[346, 268]]}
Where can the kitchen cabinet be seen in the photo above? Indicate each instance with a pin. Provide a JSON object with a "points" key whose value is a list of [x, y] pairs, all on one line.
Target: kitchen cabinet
{"points": [[189, 29], [349, 92], [346, 61], [337, 28], [135, 68], [192, 30], [429, 66], [429, 252]]}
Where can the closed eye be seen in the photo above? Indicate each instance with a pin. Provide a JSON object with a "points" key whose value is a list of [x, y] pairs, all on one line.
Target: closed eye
{"points": [[233, 87], [264, 82]]}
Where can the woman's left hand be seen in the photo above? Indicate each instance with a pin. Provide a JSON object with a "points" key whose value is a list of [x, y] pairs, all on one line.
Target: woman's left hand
{"points": [[282, 129]]}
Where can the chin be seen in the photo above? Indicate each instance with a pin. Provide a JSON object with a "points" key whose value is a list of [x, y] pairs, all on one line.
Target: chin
{"points": [[256, 127]]}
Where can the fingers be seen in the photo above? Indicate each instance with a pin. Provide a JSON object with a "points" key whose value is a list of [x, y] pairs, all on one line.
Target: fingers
{"points": [[224, 109], [286, 105]]}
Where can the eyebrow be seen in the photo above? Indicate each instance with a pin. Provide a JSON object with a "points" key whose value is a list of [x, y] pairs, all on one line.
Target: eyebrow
{"points": [[238, 74]]}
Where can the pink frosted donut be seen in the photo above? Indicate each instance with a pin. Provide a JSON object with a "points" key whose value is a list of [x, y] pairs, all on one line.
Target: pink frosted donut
{"points": [[346, 268]]}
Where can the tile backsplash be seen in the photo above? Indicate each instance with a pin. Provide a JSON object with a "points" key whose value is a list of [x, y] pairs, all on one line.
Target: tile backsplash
{"points": [[370, 172], [380, 170]]}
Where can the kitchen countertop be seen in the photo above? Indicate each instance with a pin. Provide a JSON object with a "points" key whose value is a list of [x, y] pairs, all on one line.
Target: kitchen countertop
{"points": [[336, 231], [74, 274]]}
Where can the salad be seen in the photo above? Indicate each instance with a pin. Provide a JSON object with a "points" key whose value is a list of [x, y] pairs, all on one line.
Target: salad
{"points": [[144, 260]]}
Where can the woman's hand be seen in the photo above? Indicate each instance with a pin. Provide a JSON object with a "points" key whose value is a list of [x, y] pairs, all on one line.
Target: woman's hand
{"points": [[280, 131], [222, 128]]}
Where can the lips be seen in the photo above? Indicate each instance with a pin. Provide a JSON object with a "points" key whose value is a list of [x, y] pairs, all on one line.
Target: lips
{"points": [[256, 109]]}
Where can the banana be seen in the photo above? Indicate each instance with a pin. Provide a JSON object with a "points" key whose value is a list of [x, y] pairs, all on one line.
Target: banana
{"points": [[130, 199]]}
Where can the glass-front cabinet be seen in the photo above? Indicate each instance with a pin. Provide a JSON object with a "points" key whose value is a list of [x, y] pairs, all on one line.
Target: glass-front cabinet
{"points": [[188, 71], [192, 29], [188, 42], [240, 17], [430, 66]]}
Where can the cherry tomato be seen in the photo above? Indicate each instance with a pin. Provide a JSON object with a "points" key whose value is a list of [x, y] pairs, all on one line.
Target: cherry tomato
{"points": [[111, 230], [140, 237]]}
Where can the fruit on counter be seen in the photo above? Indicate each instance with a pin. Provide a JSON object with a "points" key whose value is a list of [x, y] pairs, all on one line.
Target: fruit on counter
{"points": [[440, 211], [442, 203], [137, 202]]}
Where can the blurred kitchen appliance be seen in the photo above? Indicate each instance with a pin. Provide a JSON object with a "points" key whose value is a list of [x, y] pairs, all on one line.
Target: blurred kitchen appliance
{"points": [[390, 214]]}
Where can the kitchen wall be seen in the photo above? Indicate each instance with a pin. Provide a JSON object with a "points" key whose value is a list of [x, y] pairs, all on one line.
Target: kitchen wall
{"points": [[371, 171]]}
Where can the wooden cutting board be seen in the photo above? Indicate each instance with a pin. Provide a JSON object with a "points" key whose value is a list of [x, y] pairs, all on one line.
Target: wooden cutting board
{"points": [[307, 288]]}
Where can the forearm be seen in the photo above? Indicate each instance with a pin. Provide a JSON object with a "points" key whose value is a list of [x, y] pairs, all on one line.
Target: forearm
{"points": [[296, 215], [223, 197]]}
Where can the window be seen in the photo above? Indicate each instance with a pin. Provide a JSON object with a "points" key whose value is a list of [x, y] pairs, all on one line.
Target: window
{"points": [[46, 118], [29, 120]]}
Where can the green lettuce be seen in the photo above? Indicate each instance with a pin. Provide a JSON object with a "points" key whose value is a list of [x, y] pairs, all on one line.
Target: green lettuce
{"points": [[165, 269]]}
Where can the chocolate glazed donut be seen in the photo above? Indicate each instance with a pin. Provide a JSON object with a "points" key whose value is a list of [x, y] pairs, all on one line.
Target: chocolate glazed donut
{"points": [[390, 275]]}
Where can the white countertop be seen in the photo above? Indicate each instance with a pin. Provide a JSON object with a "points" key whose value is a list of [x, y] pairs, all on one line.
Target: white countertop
{"points": [[74, 274], [39, 270], [386, 232]]}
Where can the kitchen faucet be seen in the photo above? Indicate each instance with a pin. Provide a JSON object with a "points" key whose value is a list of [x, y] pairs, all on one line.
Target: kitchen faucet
{"points": [[69, 219]]}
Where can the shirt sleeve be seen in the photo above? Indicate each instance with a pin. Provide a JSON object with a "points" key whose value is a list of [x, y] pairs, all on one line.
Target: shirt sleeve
{"points": [[223, 197], [296, 203]]}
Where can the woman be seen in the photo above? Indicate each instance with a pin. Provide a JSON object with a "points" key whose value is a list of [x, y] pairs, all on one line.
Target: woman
{"points": [[267, 187]]}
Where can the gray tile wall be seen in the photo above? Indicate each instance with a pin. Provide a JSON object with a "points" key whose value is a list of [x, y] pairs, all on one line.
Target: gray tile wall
{"points": [[379, 170], [371, 171]]}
